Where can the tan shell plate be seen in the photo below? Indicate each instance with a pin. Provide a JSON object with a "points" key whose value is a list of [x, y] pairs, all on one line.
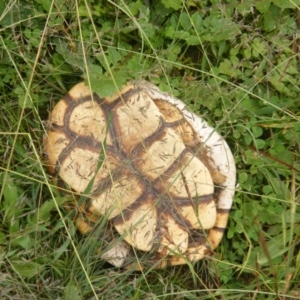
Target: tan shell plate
{"points": [[162, 177]]}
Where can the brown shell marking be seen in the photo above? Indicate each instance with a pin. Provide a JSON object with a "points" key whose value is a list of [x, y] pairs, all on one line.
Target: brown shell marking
{"points": [[140, 185]]}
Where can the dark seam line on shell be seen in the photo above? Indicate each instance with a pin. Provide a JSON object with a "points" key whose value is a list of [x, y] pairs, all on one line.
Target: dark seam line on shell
{"points": [[208, 248], [87, 143], [60, 129], [61, 185], [162, 207], [196, 149], [63, 155], [179, 219], [101, 188], [113, 132], [126, 213], [54, 127], [79, 142], [147, 142], [199, 237], [218, 189], [106, 183], [204, 199], [201, 244], [149, 190], [90, 223], [123, 98], [73, 103], [68, 114], [198, 244], [220, 229], [113, 128], [223, 210], [173, 167], [79, 100], [68, 99], [100, 101], [87, 204], [175, 123]]}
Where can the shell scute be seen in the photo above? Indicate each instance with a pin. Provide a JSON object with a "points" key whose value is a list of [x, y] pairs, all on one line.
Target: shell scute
{"points": [[89, 120], [139, 230], [120, 195], [162, 177], [79, 92], [135, 118], [188, 178], [55, 143], [174, 239], [78, 168], [156, 157], [57, 116]]}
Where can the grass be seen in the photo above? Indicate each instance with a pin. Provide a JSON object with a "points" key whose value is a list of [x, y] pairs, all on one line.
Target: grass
{"points": [[234, 63]]}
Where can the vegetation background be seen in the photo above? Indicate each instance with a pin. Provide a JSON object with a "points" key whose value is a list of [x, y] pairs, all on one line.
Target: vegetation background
{"points": [[236, 63]]}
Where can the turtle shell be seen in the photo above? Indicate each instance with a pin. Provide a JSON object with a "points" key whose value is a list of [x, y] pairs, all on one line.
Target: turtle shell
{"points": [[157, 172]]}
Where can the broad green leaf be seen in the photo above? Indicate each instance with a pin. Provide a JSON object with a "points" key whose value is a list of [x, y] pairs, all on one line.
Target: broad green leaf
{"points": [[27, 33], [271, 19], [193, 40], [185, 21], [144, 13], [61, 250], [134, 64], [227, 68], [175, 4], [26, 268], [221, 28], [3, 237], [257, 131], [267, 189], [10, 193], [43, 213], [197, 22], [13, 209], [262, 5], [243, 177], [275, 80], [75, 59], [260, 144], [181, 34], [71, 292], [287, 3], [259, 46], [148, 30], [114, 56], [46, 4], [170, 31], [133, 7], [244, 8], [106, 86], [24, 241]]}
